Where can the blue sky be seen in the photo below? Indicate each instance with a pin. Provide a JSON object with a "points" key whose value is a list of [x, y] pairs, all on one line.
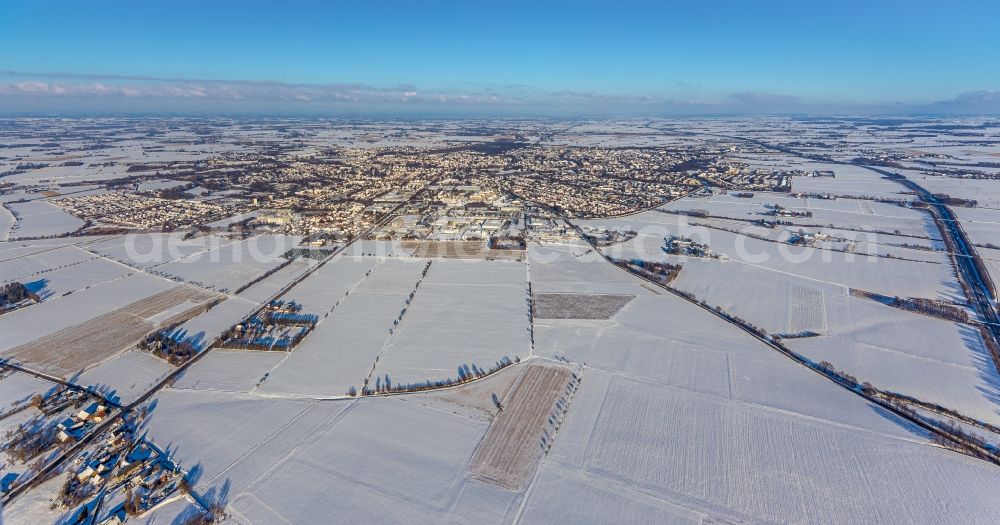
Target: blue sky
{"points": [[503, 57]]}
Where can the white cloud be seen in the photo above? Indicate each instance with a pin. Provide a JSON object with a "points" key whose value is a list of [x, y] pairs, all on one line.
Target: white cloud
{"points": [[138, 87], [132, 92], [985, 97], [760, 98]]}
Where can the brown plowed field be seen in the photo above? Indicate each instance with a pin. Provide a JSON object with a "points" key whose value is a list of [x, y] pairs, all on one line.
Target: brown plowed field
{"points": [[76, 347], [510, 451], [459, 250]]}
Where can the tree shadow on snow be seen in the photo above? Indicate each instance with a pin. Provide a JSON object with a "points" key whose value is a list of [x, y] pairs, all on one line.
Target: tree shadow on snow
{"points": [[900, 421], [39, 288], [986, 368]]}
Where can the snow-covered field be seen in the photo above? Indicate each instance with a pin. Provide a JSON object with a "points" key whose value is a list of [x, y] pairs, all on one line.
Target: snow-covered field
{"points": [[230, 370], [750, 462], [47, 317], [328, 285], [228, 267], [210, 432], [848, 181], [159, 184], [40, 218], [17, 388], [126, 376], [304, 461], [147, 250], [888, 276], [464, 313], [203, 328], [24, 262], [985, 192], [262, 290], [7, 221], [844, 213], [672, 400], [931, 359], [341, 351], [74, 278], [971, 388], [934, 360], [563, 495], [67, 174], [777, 302], [790, 290], [991, 258], [982, 225], [576, 268], [425, 473]]}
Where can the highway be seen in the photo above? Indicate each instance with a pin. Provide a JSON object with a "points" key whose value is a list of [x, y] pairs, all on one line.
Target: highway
{"points": [[967, 262], [969, 267], [975, 449]]}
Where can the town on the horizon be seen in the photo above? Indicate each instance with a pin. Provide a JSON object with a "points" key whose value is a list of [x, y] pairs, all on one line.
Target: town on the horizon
{"points": [[524, 263]]}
